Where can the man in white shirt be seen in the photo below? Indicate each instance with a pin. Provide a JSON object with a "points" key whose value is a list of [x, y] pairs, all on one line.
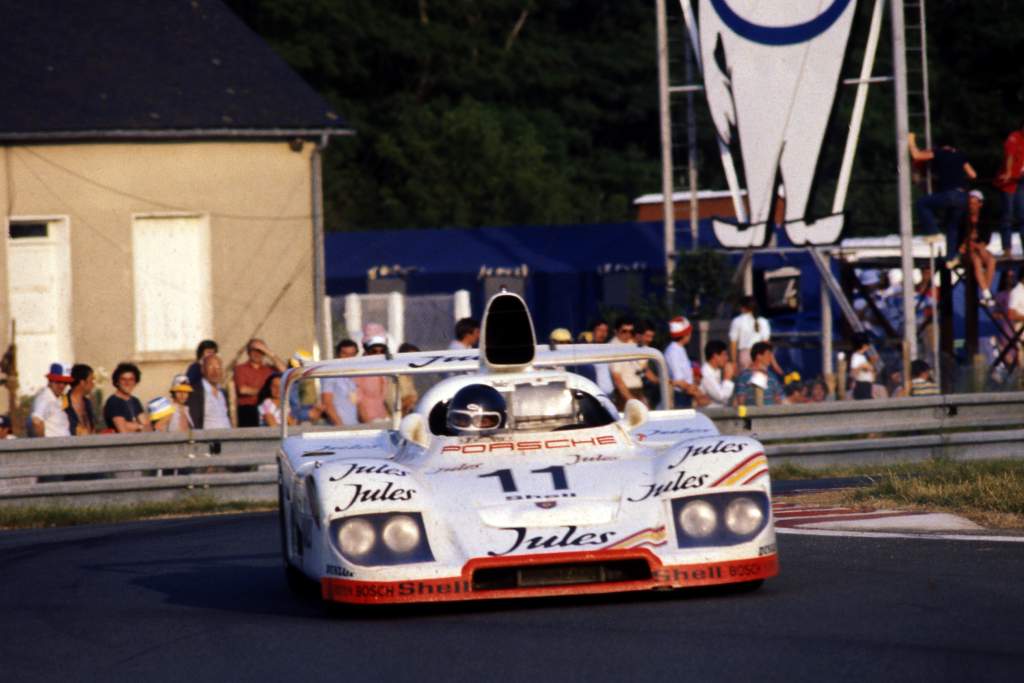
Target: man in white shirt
{"points": [[208, 405], [626, 375], [48, 416], [680, 370], [716, 374]]}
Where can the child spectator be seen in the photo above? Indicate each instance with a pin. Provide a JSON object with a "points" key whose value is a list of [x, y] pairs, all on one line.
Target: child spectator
{"points": [[921, 382], [161, 409], [179, 420]]}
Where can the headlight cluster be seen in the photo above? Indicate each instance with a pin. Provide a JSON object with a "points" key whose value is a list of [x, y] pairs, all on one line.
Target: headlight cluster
{"points": [[719, 519], [382, 539]]}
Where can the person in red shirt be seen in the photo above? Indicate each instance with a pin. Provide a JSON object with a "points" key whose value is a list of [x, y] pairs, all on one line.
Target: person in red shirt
{"points": [[1011, 190], [250, 377]]}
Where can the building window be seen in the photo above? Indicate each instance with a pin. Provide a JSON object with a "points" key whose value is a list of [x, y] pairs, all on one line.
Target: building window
{"points": [[171, 261]]}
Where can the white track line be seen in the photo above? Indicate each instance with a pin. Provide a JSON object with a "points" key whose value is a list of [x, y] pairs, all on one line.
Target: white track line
{"points": [[886, 534]]}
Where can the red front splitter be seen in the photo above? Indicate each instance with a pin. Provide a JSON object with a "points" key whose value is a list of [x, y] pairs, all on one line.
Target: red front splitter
{"points": [[449, 589]]}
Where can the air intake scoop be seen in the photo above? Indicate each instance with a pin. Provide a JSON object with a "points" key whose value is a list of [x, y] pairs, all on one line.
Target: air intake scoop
{"points": [[508, 343]]}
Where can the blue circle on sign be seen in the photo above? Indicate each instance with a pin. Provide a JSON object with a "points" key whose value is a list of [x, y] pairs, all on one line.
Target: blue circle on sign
{"points": [[779, 35]]}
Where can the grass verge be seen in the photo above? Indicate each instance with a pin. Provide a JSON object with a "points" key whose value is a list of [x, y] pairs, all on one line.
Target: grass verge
{"points": [[989, 492], [43, 516]]}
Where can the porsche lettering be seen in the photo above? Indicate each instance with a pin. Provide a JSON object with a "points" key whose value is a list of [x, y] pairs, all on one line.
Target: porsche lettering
{"points": [[522, 446]]}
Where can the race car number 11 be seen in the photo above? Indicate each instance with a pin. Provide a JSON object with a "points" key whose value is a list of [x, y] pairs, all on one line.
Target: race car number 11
{"points": [[508, 483]]}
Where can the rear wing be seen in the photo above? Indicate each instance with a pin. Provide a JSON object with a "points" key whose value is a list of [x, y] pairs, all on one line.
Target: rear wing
{"points": [[468, 361]]}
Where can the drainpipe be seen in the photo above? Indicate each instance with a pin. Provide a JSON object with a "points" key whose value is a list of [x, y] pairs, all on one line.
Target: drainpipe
{"points": [[320, 349]]}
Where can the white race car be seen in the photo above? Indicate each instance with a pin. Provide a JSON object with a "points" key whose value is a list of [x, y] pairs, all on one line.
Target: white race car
{"points": [[516, 478]]}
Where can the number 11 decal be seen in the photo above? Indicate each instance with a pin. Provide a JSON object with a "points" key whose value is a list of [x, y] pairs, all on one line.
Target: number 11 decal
{"points": [[508, 483]]}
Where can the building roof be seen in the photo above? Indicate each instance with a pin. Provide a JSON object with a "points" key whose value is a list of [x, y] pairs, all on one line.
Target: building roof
{"points": [[147, 69]]}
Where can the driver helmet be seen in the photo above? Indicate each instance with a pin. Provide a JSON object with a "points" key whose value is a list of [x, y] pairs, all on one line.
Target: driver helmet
{"points": [[476, 410]]}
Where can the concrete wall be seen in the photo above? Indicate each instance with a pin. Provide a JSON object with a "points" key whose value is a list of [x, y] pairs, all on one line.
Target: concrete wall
{"points": [[257, 196]]}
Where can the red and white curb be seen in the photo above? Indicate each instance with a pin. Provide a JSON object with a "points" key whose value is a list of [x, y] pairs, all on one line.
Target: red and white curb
{"points": [[793, 518]]}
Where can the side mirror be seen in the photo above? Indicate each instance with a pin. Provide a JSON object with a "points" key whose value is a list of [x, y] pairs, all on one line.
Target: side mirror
{"points": [[634, 415], [414, 430]]}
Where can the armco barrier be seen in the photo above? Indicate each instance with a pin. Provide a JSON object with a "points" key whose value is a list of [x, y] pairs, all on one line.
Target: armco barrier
{"points": [[238, 464]]}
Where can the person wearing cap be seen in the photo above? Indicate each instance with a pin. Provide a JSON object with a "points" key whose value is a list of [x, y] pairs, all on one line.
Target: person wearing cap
{"points": [[976, 248], [560, 335], [250, 377], [680, 369], [123, 412], [371, 392], [81, 420], [48, 416], [178, 419]]}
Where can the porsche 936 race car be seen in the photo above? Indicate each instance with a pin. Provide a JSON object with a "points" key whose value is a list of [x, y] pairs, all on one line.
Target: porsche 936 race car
{"points": [[515, 478]]}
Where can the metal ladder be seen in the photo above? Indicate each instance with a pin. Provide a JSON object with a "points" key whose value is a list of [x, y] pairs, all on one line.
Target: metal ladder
{"points": [[916, 41]]}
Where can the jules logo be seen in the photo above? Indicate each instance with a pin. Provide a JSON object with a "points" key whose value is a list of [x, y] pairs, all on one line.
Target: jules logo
{"points": [[771, 70]]}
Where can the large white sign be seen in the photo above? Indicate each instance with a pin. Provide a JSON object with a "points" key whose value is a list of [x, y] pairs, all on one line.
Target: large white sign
{"points": [[771, 69]]}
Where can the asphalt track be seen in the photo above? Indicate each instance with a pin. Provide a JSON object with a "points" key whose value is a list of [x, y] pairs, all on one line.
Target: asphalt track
{"points": [[204, 599]]}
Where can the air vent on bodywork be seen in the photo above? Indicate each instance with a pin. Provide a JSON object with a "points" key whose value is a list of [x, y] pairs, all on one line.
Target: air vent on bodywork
{"points": [[508, 340], [568, 574]]}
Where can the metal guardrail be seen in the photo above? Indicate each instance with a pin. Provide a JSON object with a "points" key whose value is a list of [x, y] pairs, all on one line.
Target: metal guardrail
{"points": [[239, 464]]}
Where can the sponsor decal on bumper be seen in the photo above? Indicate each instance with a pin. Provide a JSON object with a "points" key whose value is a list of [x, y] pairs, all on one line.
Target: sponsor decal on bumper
{"points": [[461, 587]]}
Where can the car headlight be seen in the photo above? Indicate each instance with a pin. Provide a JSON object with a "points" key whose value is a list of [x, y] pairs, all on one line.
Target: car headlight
{"points": [[382, 539], [698, 519], [401, 534], [743, 516], [356, 537], [720, 519]]}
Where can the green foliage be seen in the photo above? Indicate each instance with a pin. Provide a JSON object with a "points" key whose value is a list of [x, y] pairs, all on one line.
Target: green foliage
{"points": [[489, 112], [704, 283]]}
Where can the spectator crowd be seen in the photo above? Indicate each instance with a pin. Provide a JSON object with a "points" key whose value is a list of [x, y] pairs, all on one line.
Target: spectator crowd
{"points": [[739, 370]]}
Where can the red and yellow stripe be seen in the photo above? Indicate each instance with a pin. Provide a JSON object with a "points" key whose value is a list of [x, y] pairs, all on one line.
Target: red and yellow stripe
{"points": [[747, 471]]}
